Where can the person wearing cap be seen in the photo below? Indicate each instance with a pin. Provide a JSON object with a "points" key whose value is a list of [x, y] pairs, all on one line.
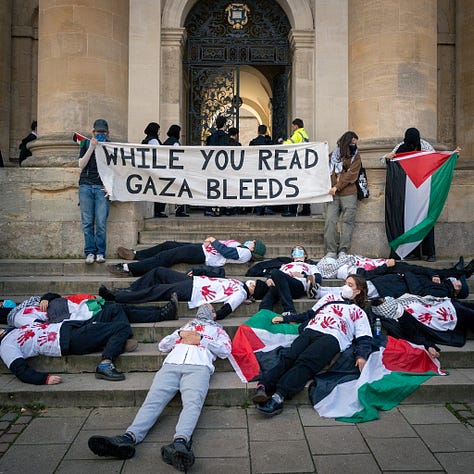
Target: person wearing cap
{"points": [[212, 252], [188, 367], [108, 334], [158, 285], [291, 280], [93, 197], [426, 320]]}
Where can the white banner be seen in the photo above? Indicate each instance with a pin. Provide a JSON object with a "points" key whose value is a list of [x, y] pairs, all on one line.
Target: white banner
{"points": [[214, 176]]}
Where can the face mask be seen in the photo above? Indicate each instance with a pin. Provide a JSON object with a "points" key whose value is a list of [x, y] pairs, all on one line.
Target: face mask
{"points": [[247, 243], [101, 137], [347, 292], [352, 148], [297, 253]]}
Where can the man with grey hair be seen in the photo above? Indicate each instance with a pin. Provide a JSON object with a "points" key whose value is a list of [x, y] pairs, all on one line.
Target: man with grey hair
{"points": [[188, 368]]}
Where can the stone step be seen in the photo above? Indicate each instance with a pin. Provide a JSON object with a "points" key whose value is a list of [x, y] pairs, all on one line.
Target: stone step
{"points": [[269, 236], [226, 389], [148, 359], [228, 224]]}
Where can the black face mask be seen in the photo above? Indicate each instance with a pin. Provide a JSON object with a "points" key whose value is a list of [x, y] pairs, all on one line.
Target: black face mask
{"points": [[353, 149]]}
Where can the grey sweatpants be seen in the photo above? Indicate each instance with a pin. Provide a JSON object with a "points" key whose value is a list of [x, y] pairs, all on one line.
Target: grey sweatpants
{"points": [[193, 383]]}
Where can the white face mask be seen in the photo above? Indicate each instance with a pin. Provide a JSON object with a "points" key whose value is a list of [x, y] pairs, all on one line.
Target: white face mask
{"points": [[347, 292]]}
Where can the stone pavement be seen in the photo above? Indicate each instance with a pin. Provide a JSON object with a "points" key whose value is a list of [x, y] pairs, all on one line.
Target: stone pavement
{"points": [[409, 438]]}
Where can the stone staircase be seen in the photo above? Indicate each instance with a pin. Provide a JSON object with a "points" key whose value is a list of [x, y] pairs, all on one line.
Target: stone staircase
{"points": [[22, 278]]}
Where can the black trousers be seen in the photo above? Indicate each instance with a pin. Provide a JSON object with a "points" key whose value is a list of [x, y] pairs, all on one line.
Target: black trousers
{"points": [[170, 254], [309, 354], [107, 332], [286, 288], [157, 285], [465, 314]]}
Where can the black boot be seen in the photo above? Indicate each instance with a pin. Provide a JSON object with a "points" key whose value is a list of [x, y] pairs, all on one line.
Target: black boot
{"points": [[469, 269], [169, 311], [105, 293]]}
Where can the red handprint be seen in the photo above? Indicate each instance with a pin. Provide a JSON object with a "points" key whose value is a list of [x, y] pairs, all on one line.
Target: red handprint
{"points": [[425, 318], [31, 309], [199, 328], [355, 314], [328, 322], [25, 335], [207, 293], [47, 337], [445, 314], [410, 310], [337, 310]]}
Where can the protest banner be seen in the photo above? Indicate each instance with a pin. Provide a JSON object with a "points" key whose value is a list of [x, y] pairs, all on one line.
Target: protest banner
{"points": [[213, 176]]}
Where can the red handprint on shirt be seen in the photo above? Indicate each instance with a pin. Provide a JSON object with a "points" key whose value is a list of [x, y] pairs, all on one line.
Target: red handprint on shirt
{"points": [[47, 337], [355, 314], [425, 318], [328, 322], [229, 289], [337, 310], [410, 310], [207, 293], [25, 335], [343, 326], [445, 314]]}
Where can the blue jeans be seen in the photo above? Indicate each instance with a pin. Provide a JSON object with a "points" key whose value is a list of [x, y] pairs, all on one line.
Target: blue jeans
{"points": [[94, 212]]}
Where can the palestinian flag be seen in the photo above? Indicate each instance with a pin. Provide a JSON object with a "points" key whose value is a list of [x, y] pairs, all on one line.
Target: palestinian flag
{"points": [[416, 189], [258, 334], [390, 375], [79, 139]]}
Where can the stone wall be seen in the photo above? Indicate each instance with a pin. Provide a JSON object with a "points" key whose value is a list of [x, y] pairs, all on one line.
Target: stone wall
{"points": [[40, 216]]}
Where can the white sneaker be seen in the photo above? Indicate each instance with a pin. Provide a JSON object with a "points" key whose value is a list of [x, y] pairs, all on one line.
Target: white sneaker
{"points": [[90, 258], [100, 258]]}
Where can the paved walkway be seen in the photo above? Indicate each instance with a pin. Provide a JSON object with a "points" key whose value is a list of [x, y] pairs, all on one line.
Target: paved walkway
{"points": [[409, 438]]}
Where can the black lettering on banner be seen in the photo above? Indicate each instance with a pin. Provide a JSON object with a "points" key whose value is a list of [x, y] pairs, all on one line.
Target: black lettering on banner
{"points": [[207, 157], [154, 160], [263, 157], [233, 159], [224, 191], [213, 189], [174, 157], [310, 154], [221, 164], [244, 186], [169, 181], [143, 156], [150, 185], [275, 188], [258, 186], [137, 188], [279, 158], [295, 161], [110, 158], [126, 157], [288, 184], [185, 189]]}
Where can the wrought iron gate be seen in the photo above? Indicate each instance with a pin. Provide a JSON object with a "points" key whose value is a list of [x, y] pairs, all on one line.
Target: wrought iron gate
{"points": [[221, 36], [213, 91]]}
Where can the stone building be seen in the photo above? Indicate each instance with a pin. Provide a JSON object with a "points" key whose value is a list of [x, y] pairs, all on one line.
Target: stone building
{"points": [[373, 66]]}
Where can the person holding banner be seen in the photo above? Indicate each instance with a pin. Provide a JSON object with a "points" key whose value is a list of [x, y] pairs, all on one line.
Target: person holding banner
{"points": [[411, 142], [159, 284], [212, 252], [93, 197], [344, 167]]}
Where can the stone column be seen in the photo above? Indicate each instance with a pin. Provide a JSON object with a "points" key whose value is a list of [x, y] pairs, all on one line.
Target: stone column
{"points": [[302, 44], [465, 78], [5, 68], [82, 74], [172, 103], [392, 70]]}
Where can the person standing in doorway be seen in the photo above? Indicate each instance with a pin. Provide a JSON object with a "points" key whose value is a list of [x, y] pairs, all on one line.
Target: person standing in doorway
{"points": [[298, 135], [219, 138], [93, 197]]}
